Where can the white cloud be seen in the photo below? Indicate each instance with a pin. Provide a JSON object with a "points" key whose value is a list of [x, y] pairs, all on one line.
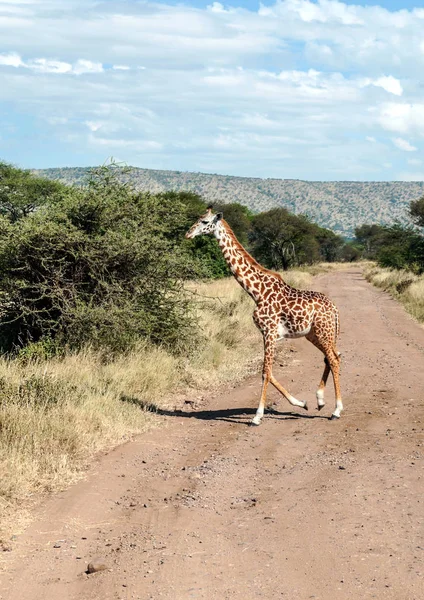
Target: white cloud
{"points": [[295, 88], [44, 65], [11, 60], [216, 7], [87, 66], [404, 145], [93, 125], [324, 11], [390, 84], [402, 118]]}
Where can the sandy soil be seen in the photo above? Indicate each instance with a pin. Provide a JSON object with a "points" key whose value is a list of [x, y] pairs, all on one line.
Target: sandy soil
{"points": [[298, 508]]}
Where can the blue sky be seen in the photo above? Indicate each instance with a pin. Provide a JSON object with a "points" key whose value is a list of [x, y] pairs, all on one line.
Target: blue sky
{"points": [[254, 4], [306, 89]]}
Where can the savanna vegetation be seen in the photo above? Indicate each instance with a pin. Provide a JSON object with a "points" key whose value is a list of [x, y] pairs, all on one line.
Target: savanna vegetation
{"points": [[397, 252], [105, 265], [107, 313], [406, 286], [395, 246]]}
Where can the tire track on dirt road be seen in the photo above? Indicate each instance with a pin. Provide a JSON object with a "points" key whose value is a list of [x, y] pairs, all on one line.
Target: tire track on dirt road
{"points": [[298, 508]]}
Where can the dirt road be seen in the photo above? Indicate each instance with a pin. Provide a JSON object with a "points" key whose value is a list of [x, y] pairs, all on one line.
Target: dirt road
{"points": [[298, 508]]}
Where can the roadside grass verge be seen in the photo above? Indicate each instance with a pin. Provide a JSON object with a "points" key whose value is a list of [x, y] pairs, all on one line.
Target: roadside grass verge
{"points": [[326, 267], [405, 286], [56, 414]]}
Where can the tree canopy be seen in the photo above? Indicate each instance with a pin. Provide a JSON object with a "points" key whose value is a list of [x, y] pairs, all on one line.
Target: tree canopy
{"points": [[281, 239], [21, 193], [416, 211], [395, 246], [105, 265]]}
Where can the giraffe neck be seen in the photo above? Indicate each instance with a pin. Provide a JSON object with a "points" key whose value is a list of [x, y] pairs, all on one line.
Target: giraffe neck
{"points": [[249, 273]]}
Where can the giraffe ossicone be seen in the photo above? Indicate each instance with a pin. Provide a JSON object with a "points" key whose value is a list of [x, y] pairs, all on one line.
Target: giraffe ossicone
{"points": [[282, 312]]}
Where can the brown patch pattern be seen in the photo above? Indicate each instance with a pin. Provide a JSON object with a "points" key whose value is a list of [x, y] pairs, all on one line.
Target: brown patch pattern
{"points": [[281, 310]]}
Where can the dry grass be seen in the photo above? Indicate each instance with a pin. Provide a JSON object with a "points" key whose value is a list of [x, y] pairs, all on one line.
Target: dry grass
{"points": [[302, 277], [231, 339], [325, 267], [298, 279], [405, 286], [56, 414]]}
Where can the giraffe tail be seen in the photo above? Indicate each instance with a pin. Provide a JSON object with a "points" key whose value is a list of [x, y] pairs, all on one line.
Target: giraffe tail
{"points": [[337, 320]]}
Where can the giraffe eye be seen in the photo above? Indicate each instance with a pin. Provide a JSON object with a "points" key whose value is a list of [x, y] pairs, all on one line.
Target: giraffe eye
{"points": [[205, 222]]}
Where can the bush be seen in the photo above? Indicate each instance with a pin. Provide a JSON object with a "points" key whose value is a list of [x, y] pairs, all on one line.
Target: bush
{"points": [[103, 265], [281, 240], [21, 193]]}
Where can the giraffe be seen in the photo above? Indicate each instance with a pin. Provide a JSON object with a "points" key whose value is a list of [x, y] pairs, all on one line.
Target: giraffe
{"points": [[281, 312]]}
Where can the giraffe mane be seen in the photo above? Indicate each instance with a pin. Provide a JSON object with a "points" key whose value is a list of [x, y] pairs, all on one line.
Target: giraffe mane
{"points": [[252, 260]]}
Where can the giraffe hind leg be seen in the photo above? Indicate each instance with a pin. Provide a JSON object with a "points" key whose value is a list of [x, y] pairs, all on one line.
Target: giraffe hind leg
{"points": [[322, 384], [332, 363], [334, 360], [312, 337]]}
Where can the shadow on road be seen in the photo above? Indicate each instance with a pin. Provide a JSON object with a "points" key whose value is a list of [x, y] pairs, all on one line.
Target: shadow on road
{"points": [[230, 415]]}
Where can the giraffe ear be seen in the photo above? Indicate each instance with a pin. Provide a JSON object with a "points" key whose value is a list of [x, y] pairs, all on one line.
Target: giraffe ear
{"points": [[219, 216]]}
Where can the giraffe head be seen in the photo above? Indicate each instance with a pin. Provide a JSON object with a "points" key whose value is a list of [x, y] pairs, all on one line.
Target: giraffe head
{"points": [[206, 224]]}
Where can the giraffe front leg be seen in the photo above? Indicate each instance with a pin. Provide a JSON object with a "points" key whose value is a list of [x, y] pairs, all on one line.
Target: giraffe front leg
{"points": [[269, 349], [260, 412]]}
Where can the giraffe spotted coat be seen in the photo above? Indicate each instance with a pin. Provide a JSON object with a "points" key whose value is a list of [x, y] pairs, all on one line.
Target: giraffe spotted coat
{"points": [[281, 311]]}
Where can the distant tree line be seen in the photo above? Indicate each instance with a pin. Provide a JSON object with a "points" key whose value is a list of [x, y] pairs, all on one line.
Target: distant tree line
{"points": [[396, 246], [338, 205], [280, 240], [105, 265]]}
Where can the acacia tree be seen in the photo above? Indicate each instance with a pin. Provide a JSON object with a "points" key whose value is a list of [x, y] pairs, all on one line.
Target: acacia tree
{"points": [[239, 218], [416, 211], [102, 265], [281, 239], [370, 238], [21, 192], [394, 246]]}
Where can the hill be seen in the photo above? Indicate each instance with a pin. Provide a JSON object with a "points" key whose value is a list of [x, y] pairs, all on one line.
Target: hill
{"points": [[338, 205]]}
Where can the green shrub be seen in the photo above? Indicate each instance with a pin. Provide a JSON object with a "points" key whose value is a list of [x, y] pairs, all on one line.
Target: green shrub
{"points": [[102, 266], [282, 240]]}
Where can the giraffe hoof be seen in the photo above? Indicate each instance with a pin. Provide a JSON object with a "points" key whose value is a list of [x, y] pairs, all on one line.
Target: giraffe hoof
{"points": [[306, 406], [334, 417], [255, 421], [321, 406]]}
